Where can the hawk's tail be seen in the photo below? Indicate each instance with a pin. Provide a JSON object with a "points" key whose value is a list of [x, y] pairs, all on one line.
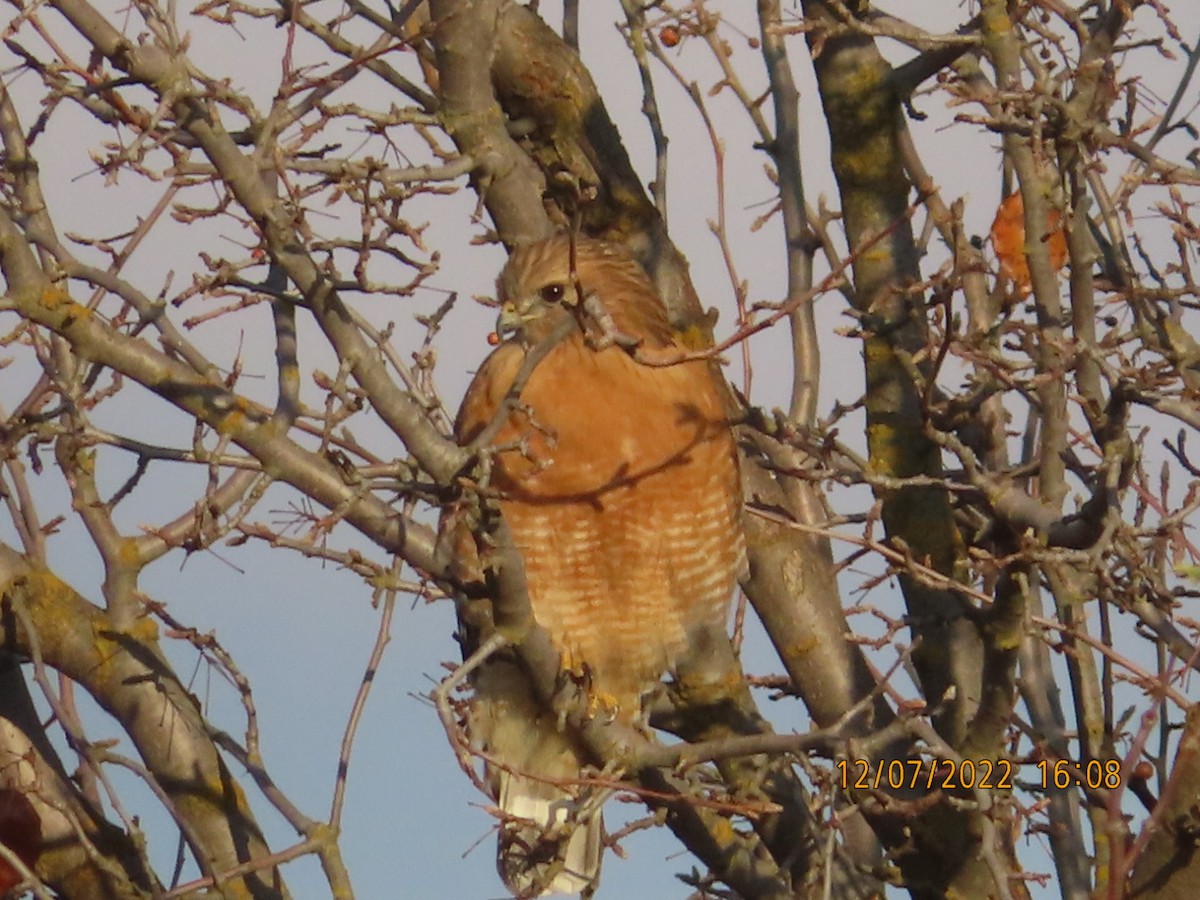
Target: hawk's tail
{"points": [[551, 830], [550, 840]]}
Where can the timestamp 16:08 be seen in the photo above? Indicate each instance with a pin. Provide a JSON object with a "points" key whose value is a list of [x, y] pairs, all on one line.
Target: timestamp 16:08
{"points": [[861, 774]]}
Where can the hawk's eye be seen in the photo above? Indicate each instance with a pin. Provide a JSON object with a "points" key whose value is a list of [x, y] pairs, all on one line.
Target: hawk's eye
{"points": [[552, 293]]}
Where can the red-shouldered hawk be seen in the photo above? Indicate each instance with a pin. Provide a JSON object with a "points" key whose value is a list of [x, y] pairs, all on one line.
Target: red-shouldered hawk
{"points": [[619, 482]]}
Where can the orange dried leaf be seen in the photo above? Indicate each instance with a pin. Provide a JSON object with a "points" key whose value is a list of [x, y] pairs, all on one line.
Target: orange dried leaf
{"points": [[1008, 241]]}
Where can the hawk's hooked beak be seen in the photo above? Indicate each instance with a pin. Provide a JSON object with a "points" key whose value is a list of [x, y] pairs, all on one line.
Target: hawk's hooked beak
{"points": [[509, 321]]}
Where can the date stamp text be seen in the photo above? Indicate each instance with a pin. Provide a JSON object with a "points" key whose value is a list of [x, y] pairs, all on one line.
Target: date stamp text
{"points": [[969, 774]]}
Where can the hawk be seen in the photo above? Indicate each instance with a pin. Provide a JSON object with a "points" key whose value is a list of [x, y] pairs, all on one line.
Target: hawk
{"points": [[619, 482]]}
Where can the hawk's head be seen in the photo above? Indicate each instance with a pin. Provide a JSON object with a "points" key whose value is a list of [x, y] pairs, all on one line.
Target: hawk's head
{"points": [[545, 281]]}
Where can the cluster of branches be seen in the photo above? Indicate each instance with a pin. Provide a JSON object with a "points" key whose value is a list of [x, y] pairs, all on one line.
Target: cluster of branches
{"points": [[1004, 435]]}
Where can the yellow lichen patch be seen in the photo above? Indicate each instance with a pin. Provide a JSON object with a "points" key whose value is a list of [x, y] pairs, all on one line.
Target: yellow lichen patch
{"points": [[144, 630], [59, 613], [878, 352], [878, 253], [47, 594], [722, 831], [1009, 639], [887, 453], [220, 802], [707, 691], [231, 423], [55, 298], [107, 644], [512, 632], [240, 415], [996, 21], [694, 337], [85, 460], [67, 310], [872, 161], [863, 82], [77, 876], [127, 553], [800, 648]]}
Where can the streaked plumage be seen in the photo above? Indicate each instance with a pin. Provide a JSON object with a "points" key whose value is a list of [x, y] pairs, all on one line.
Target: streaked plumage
{"points": [[625, 504]]}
